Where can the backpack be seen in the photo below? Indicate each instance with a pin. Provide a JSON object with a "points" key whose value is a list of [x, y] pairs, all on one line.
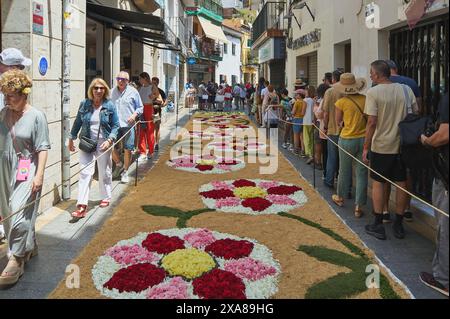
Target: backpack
{"points": [[415, 156]]}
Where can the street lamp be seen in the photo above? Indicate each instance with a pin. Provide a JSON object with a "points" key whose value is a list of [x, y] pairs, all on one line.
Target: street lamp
{"points": [[301, 6]]}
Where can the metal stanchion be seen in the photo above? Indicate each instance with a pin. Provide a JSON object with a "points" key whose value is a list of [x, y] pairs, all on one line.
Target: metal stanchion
{"points": [[137, 159], [314, 157]]}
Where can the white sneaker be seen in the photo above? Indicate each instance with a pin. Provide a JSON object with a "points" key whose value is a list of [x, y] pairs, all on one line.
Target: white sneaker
{"points": [[125, 178], [2, 232], [285, 146], [142, 158]]}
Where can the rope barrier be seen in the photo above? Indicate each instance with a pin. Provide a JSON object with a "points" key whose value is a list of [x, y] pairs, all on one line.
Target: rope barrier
{"points": [[369, 168], [72, 176]]}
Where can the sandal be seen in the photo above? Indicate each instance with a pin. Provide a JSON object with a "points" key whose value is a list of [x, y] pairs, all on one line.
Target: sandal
{"points": [[80, 212], [12, 272], [338, 200], [358, 212], [104, 203]]}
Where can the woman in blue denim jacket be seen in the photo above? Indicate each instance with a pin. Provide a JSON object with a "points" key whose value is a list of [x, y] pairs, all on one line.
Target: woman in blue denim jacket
{"points": [[98, 120]]}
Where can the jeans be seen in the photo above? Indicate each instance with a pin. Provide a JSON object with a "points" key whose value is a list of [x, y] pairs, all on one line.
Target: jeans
{"points": [[355, 147], [332, 160], [440, 261]]}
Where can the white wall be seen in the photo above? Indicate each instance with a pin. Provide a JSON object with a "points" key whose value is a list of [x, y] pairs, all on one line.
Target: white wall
{"points": [[232, 4], [46, 92], [344, 20], [231, 64]]}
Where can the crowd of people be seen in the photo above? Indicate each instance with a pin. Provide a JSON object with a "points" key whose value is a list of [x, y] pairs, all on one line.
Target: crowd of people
{"points": [[341, 125], [224, 97], [105, 117], [337, 126]]}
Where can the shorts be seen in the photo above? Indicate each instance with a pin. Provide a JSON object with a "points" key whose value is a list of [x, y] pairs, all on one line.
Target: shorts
{"points": [[390, 166], [298, 125], [128, 140]]}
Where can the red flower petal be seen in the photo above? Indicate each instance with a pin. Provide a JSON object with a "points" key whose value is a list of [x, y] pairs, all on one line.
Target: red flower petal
{"points": [[204, 168], [244, 183], [162, 244], [231, 163], [230, 249], [257, 204], [218, 194], [219, 284], [283, 190], [136, 278]]}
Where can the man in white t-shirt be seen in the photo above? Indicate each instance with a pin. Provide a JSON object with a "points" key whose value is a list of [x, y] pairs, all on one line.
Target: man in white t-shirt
{"points": [[386, 106]]}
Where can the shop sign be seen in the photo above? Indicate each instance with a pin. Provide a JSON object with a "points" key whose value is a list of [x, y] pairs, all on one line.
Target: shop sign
{"points": [[38, 18], [191, 61], [307, 39], [267, 51]]}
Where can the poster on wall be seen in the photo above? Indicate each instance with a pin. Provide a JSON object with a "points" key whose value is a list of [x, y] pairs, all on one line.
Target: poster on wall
{"points": [[38, 18]]}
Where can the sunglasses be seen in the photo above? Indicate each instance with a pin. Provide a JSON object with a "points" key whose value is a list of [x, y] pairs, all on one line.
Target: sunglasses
{"points": [[99, 88], [121, 79]]}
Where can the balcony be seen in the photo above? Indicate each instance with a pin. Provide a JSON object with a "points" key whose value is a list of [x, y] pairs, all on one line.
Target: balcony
{"points": [[207, 49], [270, 21], [209, 8]]}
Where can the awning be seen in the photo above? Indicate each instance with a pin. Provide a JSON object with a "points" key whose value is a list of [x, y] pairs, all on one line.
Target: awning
{"points": [[146, 28], [212, 31], [124, 17]]}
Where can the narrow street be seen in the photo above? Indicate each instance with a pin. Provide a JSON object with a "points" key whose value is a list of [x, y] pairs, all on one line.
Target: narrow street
{"points": [[224, 150]]}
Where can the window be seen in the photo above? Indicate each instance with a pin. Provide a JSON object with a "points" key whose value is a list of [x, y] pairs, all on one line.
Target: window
{"points": [[233, 49], [225, 48], [234, 79], [223, 78]]}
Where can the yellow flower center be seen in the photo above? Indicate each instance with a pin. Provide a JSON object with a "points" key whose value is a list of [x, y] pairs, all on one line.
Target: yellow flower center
{"points": [[249, 192], [206, 162], [188, 263]]}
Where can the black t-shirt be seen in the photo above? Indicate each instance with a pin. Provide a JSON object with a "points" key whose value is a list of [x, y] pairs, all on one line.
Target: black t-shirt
{"points": [[443, 109]]}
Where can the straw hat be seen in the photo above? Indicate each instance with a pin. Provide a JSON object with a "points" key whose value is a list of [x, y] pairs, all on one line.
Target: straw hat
{"points": [[350, 85], [299, 82]]}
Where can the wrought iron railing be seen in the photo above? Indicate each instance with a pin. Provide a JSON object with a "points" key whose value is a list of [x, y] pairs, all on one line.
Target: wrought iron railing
{"points": [[207, 49], [212, 5], [271, 17]]}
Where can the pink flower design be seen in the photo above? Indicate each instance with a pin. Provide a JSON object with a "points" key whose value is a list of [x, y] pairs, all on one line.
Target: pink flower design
{"points": [[281, 200], [130, 255], [267, 185], [249, 268], [224, 167], [222, 185], [228, 202], [200, 239], [176, 288]]}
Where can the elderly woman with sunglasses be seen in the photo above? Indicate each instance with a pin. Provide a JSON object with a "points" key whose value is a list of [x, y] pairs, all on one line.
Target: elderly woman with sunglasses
{"points": [[24, 145], [99, 124]]}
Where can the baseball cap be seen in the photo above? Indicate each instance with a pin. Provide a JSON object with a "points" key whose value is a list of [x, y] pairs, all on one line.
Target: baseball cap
{"points": [[12, 56]]}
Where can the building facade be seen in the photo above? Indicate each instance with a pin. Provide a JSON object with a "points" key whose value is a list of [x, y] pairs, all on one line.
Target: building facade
{"points": [[269, 41], [105, 37], [207, 39], [229, 69]]}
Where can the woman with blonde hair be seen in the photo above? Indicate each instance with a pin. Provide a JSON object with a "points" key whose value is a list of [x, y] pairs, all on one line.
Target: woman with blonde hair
{"points": [[24, 144], [98, 122]]}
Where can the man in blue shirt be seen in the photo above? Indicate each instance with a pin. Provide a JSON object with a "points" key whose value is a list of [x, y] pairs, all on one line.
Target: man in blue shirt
{"points": [[129, 107]]}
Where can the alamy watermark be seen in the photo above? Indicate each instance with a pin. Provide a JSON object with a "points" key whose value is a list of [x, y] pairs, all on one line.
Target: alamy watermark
{"points": [[373, 279], [73, 276]]}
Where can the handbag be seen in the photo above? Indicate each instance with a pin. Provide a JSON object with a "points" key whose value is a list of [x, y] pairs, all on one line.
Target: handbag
{"points": [[89, 145]]}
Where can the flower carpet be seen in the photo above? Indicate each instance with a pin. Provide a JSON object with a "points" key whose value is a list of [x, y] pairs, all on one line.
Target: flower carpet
{"points": [[203, 226]]}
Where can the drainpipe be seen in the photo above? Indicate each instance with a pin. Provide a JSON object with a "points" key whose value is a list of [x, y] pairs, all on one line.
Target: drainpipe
{"points": [[65, 100]]}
